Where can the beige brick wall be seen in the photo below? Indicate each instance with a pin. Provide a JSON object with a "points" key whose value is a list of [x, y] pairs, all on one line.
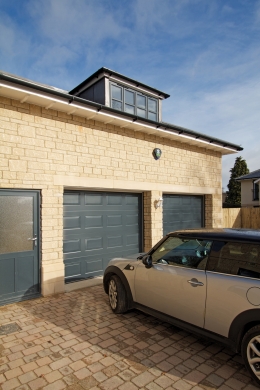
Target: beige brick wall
{"points": [[50, 150]]}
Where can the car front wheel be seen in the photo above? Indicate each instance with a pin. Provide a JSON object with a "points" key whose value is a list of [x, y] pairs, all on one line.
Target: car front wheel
{"points": [[250, 350], [117, 295]]}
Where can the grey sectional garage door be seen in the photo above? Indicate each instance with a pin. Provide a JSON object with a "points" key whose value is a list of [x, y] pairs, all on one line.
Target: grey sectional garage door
{"points": [[182, 212], [97, 227]]}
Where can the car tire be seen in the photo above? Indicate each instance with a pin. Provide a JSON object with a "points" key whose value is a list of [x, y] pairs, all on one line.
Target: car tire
{"points": [[250, 350], [117, 295]]}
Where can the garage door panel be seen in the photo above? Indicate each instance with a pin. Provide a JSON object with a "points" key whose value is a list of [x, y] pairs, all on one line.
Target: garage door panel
{"points": [[132, 219], [73, 269], [72, 222], [131, 200], [70, 246], [114, 220], [182, 212], [98, 227], [93, 199], [114, 241], [71, 198], [114, 200], [93, 221], [94, 265], [94, 243], [132, 240]]}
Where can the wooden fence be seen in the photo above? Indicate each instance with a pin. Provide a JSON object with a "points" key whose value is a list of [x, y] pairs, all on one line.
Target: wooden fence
{"points": [[245, 217]]}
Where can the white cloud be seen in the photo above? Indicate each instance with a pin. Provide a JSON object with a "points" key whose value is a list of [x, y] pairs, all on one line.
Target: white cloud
{"points": [[205, 54], [231, 113]]}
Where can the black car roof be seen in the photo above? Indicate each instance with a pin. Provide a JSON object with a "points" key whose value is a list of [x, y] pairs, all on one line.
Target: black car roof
{"points": [[245, 235]]}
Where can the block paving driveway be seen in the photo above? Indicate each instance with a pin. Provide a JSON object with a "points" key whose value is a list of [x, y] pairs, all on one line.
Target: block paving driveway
{"points": [[74, 341]]}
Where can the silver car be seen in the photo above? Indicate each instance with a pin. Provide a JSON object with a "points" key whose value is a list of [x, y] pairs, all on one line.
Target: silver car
{"points": [[205, 281]]}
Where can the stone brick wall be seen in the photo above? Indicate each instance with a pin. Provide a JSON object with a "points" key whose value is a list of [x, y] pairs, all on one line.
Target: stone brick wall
{"points": [[49, 150]]}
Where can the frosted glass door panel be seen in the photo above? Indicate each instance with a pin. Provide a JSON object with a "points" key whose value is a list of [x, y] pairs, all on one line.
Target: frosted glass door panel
{"points": [[16, 216]]}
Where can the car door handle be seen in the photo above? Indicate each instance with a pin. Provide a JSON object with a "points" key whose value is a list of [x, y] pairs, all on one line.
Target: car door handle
{"points": [[194, 282]]}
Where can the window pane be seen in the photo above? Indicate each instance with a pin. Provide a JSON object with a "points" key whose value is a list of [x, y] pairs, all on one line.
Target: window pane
{"points": [[16, 216], [236, 259], [141, 101], [152, 116], [129, 109], [129, 97], [117, 105], [185, 253], [141, 112], [152, 105], [116, 92]]}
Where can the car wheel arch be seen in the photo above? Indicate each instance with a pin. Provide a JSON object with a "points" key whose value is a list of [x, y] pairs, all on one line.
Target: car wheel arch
{"points": [[241, 325], [112, 270]]}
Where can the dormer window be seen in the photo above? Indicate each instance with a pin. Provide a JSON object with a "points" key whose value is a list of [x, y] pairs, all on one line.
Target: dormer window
{"points": [[121, 93], [133, 102]]}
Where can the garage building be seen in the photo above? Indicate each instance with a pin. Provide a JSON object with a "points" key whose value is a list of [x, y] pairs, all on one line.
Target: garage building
{"points": [[92, 174]]}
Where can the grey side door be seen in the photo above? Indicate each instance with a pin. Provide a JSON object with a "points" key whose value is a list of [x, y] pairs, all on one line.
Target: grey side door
{"points": [[176, 283], [19, 245]]}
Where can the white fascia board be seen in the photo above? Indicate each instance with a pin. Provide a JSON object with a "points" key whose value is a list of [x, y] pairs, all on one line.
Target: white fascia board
{"points": [[31, 93], [154, 129]]}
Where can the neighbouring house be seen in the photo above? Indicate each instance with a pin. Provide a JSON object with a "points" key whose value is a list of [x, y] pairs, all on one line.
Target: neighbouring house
{"points": [[250, 189], [92, 174]]}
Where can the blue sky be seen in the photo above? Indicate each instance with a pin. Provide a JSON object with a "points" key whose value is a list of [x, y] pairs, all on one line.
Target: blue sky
{"points": [[204, 53]]}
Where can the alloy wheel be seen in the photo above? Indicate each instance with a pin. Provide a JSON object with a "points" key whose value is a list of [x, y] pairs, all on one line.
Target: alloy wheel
{"points": [[253, 355], [112, 292]]}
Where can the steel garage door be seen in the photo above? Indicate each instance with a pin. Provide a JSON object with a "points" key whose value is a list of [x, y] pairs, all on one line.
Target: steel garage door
{"points": [[182, 212], [97, 227]]}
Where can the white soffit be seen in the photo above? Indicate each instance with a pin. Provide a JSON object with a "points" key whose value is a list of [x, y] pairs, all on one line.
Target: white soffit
{"points": [[46, 100]]}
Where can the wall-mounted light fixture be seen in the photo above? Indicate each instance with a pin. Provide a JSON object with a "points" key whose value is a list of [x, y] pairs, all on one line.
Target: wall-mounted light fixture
{"points": [[157, 153], [158, 203]]}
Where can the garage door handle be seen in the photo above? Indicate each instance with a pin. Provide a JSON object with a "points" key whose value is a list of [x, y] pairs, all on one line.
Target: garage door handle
{"points": [[195, 282]]}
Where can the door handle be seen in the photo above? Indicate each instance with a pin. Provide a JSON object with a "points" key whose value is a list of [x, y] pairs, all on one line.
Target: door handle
{"points": [[34, 239], [194, 282]]}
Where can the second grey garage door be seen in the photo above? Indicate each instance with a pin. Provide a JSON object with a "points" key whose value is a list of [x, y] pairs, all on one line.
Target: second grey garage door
{"points": [[97, 227], [182, 212]]}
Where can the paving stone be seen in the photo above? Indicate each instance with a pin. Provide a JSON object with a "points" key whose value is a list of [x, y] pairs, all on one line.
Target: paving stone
{"points": [[127, 386], [13, 373], [58, 385], [37, 383], [143, 379], [181, 385], [163, 381], [111, 371], [111, 383], [88, 383], [70, 379], [153, 386], [100, 376], [82, 373], [10, 384], [74, 341]]}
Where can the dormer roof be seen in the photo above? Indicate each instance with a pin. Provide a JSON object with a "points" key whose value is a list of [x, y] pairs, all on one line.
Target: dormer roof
{"points": [[116, 77]]}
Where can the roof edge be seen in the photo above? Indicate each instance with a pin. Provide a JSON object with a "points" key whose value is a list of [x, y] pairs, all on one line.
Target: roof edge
{"points": [[164, 127], [114, 73]]}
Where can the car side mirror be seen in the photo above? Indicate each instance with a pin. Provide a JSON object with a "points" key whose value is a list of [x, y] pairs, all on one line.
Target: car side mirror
{"points": [[148, 261]]}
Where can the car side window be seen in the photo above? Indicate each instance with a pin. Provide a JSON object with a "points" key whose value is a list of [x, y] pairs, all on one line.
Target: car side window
{"points": [[235, 258], [190, 253]]}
